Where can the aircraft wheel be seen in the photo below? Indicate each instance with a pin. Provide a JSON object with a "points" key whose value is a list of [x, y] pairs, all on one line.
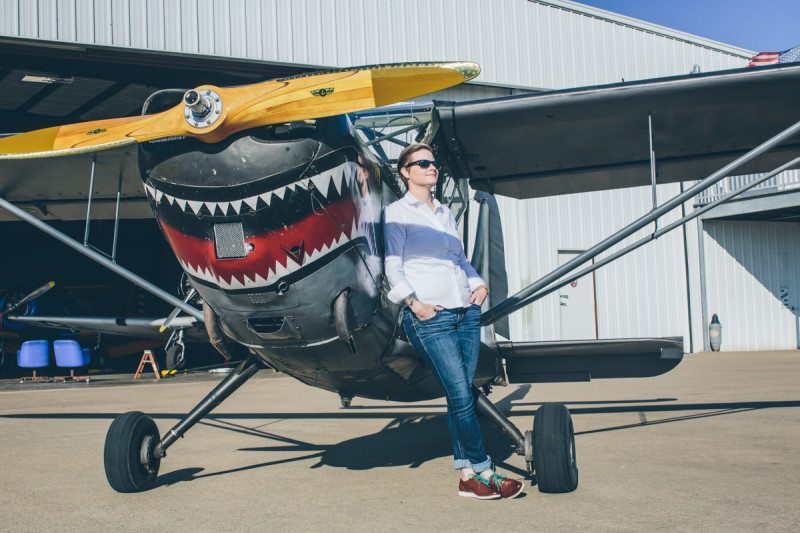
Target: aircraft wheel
{"points": [[174, 357], [346, 400], [554, 449], [129, 461]]}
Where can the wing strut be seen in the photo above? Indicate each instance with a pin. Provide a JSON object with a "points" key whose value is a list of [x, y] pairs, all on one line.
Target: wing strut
{"points": [[101, 259], [530, 293]]}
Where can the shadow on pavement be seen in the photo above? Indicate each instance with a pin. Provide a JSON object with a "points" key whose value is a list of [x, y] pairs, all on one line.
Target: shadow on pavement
{"points": [[389, 412], [408, 440]]}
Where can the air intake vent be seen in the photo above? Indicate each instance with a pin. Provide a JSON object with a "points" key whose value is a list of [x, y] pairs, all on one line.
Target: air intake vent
{"points": [[229, 240], [266, 325]]}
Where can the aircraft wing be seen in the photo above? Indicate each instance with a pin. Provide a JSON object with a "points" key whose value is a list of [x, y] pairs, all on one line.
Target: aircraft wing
{"points": [[129, 327], [595, 138]]}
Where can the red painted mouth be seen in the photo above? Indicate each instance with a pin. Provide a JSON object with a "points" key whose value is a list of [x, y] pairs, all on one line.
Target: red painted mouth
{"points": [[274, 254]]}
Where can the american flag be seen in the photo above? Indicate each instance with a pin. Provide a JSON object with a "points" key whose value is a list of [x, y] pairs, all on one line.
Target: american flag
{"points": [[771, 58]]}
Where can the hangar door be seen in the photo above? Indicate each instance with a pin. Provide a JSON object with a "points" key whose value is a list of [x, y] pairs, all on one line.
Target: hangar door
{"points": [[577, 304]]}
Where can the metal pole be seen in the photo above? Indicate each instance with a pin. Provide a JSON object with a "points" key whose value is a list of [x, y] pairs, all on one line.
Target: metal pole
{"points": [[390, 136], [116, 219], [103, 260], [686, 275], [504, 307], [659, 233], [701, 250], [652, 167], [224, 389], [89, 202], [465, 221], [490, 411]]}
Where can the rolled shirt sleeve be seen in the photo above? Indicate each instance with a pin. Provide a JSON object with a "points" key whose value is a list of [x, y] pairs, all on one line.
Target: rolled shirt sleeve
{"points": [[473, 279]]}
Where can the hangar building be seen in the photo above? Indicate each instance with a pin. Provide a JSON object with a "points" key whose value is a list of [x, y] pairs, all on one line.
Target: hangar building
{"points": [[739, 262]]}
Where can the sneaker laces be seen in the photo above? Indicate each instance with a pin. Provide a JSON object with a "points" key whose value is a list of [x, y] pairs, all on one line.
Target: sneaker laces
{"points": [[497, 478], [480, 479]]}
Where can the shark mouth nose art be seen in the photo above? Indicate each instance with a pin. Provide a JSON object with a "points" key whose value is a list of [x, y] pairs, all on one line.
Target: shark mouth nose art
{"points": [[273, 233]]}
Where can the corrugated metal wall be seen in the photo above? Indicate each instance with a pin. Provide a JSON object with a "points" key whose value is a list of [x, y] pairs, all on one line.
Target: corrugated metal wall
{"points": [[519, 43], [749, 267], [642, 294]]}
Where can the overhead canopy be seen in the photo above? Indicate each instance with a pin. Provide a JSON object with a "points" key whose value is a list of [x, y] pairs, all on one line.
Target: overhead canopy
{"points": [[595, 138], [58, 188]]}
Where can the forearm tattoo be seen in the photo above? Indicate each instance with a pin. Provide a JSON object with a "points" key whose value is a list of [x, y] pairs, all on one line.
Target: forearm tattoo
{"points": [[411, 298]]}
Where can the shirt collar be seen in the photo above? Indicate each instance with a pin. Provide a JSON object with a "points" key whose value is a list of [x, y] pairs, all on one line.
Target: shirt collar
{"points": [[411, 200]]}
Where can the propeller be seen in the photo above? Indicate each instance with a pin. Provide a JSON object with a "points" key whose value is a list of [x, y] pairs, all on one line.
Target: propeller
{"points": [[35, 294], [211, 113]]}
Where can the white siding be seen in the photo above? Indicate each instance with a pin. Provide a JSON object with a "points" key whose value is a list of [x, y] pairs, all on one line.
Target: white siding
{"points": [[518, 43], [642, 294], [747, 264]]}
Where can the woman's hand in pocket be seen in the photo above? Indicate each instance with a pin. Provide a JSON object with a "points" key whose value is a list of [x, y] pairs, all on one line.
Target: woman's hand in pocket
{"points": [[479, 295], [424, 311]]}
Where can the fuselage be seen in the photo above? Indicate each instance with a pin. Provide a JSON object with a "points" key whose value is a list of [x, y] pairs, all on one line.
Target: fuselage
{"points": [[272, 226]]}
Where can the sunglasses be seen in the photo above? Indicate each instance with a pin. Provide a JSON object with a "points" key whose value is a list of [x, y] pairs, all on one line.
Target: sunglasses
{"points": [[426, 163]]}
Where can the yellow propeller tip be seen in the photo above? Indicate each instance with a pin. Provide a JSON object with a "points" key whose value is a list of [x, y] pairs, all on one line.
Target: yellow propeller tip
{"points": [[51, 283], [161, 329], [467, 69]]}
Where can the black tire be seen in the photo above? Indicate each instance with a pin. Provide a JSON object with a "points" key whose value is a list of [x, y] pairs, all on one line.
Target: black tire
{"points": [[174, 357], [126, 437], [554, 458]]}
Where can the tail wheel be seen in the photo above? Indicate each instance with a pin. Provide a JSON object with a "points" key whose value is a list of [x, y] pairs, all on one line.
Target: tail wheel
{"points": [[131, 465], [554, 449], [174, 357]]}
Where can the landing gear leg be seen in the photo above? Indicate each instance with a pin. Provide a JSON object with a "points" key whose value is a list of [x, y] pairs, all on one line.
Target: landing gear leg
{"points": [[133, 451], [549, 449]]}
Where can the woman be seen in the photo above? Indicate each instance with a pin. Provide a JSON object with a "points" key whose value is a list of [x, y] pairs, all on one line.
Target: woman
{"points": [[428, 272]]}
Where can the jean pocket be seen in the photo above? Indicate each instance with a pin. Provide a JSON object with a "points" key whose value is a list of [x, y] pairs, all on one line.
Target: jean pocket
{"points": [[435, 314]]}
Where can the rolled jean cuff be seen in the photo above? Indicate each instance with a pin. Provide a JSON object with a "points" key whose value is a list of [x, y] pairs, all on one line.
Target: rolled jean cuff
{"points": [[458, 464], [483, 466]]}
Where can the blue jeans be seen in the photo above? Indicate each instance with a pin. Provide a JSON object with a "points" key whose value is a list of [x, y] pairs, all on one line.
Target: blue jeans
{"points": [[450, 342]]}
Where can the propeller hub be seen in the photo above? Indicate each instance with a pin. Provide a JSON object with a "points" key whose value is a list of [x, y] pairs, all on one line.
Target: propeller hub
{"points": [[202, 108]]}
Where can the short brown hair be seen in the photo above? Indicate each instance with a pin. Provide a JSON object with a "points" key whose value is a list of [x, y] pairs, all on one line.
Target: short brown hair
{"points": [[402, 160]]}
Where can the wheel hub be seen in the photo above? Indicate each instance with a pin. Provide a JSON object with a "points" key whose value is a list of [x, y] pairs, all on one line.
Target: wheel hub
{"points": [[146, 456]]}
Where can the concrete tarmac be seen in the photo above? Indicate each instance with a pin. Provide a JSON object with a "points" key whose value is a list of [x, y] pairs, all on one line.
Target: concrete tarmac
{"points": [[712, 445]]}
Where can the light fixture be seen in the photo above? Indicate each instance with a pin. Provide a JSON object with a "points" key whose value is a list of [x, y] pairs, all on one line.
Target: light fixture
{"points": [[46, 79]]}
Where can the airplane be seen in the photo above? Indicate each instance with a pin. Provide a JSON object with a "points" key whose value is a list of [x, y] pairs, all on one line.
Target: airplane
{"points": [[272, 204]]}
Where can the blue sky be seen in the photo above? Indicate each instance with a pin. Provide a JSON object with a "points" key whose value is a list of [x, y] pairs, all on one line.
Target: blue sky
{"points": [[765, 26]]}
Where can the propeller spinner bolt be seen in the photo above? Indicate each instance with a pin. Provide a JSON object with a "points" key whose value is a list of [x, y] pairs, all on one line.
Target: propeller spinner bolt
{"points": [[202, 109]]}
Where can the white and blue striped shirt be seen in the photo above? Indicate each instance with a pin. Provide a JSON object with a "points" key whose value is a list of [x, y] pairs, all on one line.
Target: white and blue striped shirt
{"points": [[425, 255]]}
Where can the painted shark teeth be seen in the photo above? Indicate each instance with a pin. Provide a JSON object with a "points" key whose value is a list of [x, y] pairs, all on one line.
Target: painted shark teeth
{"points": [[269, 277], [325, 182]]}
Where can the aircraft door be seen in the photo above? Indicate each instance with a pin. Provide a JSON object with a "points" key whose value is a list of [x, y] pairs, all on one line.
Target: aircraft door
{"points": [[577, 304]]}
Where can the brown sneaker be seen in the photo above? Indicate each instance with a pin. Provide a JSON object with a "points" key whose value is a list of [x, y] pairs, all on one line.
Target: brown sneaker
{"points": [[507, 487], [477, 487]]}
